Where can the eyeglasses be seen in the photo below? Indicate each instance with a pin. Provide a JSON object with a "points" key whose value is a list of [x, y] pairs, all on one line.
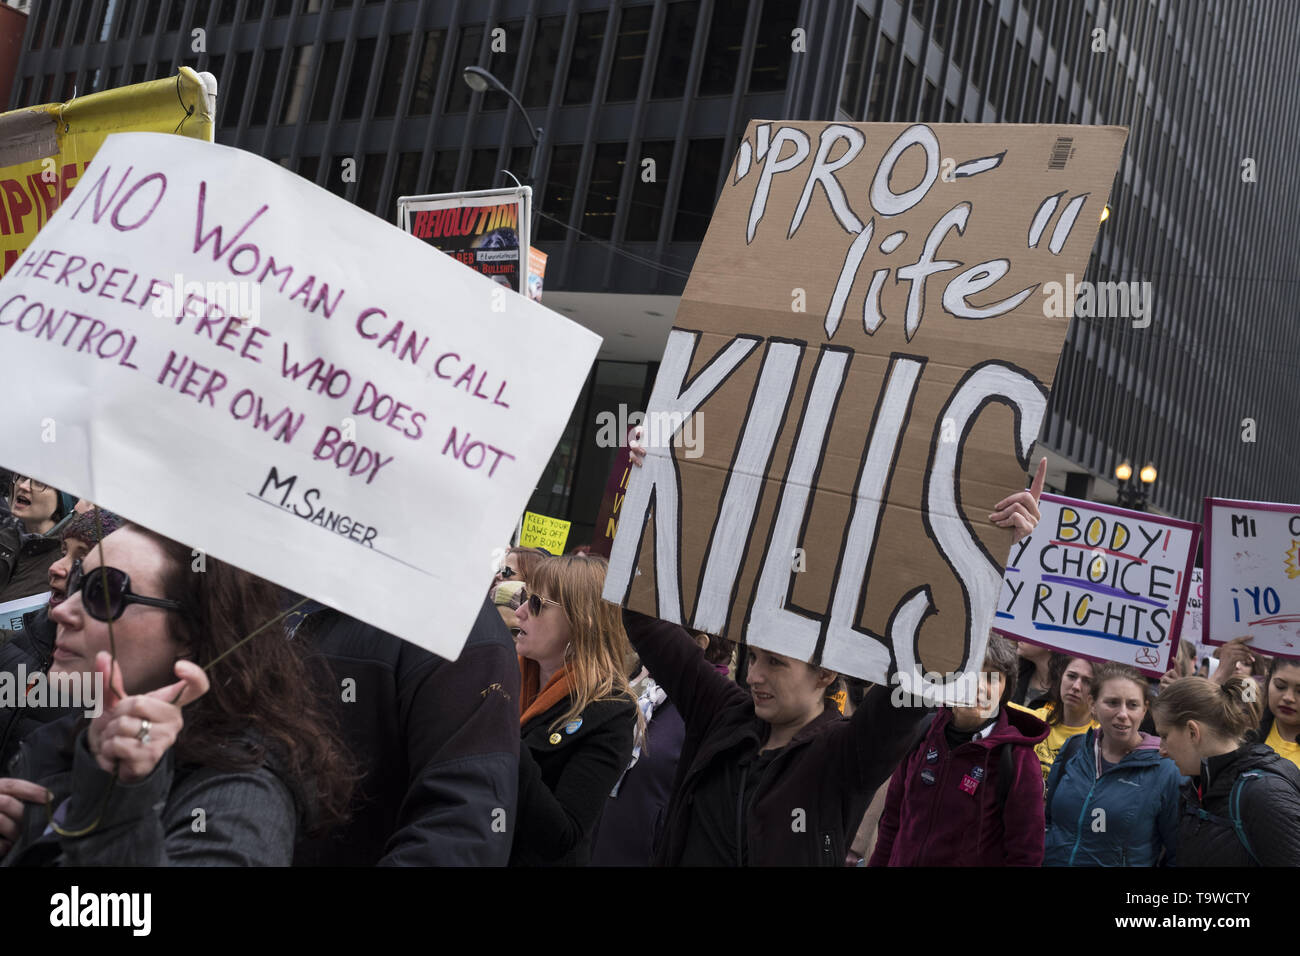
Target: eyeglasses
{"points": [[507, 572], [535, 602], [106, 592], [37, 486]]}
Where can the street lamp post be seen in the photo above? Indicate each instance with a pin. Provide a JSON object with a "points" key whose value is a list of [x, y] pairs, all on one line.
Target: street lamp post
{"points": [[1133, 494], [480, 81]]}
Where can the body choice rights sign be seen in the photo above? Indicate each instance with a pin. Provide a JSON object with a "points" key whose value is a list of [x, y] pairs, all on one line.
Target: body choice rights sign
{"points": [[238, 359], [1100, 582]]}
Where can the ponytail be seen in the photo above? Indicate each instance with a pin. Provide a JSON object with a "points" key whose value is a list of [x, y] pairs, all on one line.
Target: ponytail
{"points": [[1229, 710]]}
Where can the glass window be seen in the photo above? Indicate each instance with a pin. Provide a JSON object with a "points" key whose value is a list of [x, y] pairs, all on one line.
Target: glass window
{"points": [[649, 191], [152, 16], [542, 61], [175, 15], [602, 192], [296, 89], [500, 63], [931, 104], [137, 73], [70, 86], [369, 181], [942, 21], [114, 78], [879, 78], [334, 175], [238, 87], [390, 81], [458, 92], [675, 50], [699, 190], [442, 178], [282, 8], [983, 45], [308, 166], [581, 81], [42, 19], [363, 57], [265, 88], [629, 54], [47, 88], [215, 64], [309, 6], [326, 76], [482, 173], [122, 17], [1001, 65], [25, 93], [253, 11], [560, 184], [426, 77], [408, 167], [722, 50], [61, 23], [105, 26], [855, 65], [904, 95], [774, 48], [83, 21], [226, 11]]}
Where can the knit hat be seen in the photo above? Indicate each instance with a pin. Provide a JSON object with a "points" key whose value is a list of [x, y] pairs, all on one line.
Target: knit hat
{"points": [[85, 527]]}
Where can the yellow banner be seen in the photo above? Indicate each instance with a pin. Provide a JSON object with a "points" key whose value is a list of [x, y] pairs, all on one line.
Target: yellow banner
{"points": [[539, 531], [45, 149]]}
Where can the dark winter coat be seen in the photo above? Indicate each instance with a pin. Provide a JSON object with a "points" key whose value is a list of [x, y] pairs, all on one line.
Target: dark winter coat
{"points": [[1269, 811], [829, 770], [248, 817], [438, 743], [33, 649], [25, 560], [565, 775], [634, 817], [1123, 816], [942, 808]]}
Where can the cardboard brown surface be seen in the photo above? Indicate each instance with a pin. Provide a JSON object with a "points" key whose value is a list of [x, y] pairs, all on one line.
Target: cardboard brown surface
{"points": [[772, 336]]}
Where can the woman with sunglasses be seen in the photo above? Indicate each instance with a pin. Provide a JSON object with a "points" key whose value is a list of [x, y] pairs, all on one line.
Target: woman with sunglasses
{"points": [[518, 564], [26, 547], [577, 714], [249, 743]]}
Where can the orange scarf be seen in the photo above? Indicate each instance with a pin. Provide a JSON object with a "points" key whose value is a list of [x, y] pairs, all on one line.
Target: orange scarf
{"points": [[534, 700]]}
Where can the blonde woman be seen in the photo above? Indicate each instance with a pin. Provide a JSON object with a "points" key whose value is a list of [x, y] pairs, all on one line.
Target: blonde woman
{"points": [[577, 716]]}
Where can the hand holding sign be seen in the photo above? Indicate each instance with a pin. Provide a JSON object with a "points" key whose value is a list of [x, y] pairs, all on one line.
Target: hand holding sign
{"points": [[134, 732], [1235, 660], [1020, 511]]}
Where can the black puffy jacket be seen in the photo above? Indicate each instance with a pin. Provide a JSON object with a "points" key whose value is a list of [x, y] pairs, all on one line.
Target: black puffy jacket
{"points": [[1269, 811], [438, 743], [24, 655]]}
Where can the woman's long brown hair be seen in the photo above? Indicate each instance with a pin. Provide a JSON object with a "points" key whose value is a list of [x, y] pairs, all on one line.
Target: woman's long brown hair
{"points": [[265, 686], [600, 651]]}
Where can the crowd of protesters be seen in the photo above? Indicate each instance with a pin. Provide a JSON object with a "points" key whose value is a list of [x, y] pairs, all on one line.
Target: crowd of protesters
{"points": [[242, 725]]}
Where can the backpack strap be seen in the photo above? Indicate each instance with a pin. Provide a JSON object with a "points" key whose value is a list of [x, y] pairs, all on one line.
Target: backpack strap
{"points": [[1234, 809]]}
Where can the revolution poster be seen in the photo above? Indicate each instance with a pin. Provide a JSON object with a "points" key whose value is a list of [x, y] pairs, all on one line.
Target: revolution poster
{"points": [[485, 230]]}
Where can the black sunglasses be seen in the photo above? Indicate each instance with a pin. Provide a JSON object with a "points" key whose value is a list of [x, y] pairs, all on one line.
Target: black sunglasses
{"points": [[507, 572], [535, 603], [106, 592]]}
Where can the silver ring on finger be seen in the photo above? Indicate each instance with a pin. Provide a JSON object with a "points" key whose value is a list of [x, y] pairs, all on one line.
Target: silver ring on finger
{"points": [[142, 734]]}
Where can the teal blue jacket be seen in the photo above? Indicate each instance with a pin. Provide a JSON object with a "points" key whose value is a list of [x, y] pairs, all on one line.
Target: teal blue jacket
{"points": [[1123, 816]]}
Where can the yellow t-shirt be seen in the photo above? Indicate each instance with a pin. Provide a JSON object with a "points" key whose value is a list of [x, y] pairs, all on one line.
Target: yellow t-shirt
{"points": [[1283, 748], [1057, 735]]}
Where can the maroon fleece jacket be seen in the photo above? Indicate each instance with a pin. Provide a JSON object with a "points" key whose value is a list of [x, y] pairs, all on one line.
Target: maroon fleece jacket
{"points": [[942, 806]]}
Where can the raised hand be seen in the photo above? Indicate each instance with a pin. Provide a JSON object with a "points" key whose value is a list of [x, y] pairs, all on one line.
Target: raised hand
{"points": [[1020, 511], [134, 732]]}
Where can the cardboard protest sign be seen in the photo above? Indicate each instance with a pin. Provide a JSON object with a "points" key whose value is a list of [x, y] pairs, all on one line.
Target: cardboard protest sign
{"points": [[866, 329], [1100, 582], [44, 150], [1252, 575], [11, 612], [232, 356], [611, 502], [486, 230], [539, 531]]}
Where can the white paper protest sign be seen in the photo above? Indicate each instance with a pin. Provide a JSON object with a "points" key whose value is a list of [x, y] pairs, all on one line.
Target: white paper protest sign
{"points": [[11, 612], [1099, 582], [1252, 575], [1191, 629], [230, 355]]}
